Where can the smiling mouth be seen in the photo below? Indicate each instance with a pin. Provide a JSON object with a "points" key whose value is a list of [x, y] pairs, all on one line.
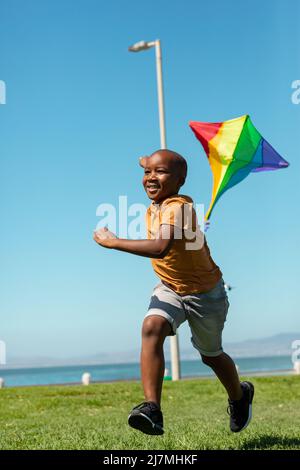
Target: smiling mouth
{"points": [[152, 188]]}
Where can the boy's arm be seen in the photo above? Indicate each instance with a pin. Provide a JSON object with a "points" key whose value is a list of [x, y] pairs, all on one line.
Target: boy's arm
{"points": [[153, 248]]}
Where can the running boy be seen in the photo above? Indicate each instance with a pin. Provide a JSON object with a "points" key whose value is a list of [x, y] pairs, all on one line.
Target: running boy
{"points": [[191, 288]]}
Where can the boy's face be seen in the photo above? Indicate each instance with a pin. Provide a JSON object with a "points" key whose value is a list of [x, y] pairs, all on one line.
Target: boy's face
{"points": [[162, 177]]}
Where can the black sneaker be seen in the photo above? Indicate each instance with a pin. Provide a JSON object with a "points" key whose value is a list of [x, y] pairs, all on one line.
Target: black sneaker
{"points": [[147, 417], [240, 411]]}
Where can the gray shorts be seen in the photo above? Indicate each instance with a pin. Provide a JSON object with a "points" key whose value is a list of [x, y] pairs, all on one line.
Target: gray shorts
{"points": [[206, 314]]}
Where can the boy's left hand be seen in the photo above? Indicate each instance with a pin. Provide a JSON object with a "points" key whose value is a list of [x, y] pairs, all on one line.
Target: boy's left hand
{"points": [[104, 237]]}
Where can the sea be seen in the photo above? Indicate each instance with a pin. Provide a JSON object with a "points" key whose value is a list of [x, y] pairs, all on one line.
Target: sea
{"points": [[113, 372]]}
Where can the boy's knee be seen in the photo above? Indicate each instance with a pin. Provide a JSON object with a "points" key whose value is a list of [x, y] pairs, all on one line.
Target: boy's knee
{"points": [[155, 326], [210, 360]]}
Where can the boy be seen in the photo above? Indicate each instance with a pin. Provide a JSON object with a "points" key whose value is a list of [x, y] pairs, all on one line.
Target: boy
{"points": [[191, 288]]}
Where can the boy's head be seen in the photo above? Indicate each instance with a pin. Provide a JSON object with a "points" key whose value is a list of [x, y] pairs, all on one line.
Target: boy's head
{"points": [[164, 173]]}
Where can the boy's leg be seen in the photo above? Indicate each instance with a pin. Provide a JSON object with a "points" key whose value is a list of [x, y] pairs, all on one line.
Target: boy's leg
{"points": [[147, 417], [165, 314], [206, 315], [154, 331], [224, 368], [240, 393]]}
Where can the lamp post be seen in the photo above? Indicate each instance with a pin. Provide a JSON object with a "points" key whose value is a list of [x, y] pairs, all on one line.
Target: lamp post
{"points": [[137, 47]]}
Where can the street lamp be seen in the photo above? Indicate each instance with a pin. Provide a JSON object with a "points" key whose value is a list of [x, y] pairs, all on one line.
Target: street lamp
{"points": [[141, 46], [137, 47]]}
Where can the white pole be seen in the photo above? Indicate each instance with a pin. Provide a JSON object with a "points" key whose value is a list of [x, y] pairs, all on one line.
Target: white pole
{"points": [[161, 108], [174, 340], [175, 359]]}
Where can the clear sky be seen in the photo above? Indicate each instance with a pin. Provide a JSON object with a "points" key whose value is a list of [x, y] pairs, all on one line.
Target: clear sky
{"points": [[81, 109]]}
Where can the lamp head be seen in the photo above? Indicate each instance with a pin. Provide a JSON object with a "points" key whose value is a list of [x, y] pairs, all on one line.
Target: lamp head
{"points": [[141, 46]]}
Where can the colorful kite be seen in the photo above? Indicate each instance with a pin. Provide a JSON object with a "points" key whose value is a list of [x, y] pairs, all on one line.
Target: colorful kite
{"points": [[234, 149]]}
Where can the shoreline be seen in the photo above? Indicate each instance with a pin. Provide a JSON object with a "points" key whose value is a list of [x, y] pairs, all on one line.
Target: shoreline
{"points": [[270, 373], [26, 367]]}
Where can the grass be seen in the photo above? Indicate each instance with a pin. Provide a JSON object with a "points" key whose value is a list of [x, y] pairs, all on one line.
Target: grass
{"points": [[95, 417]]}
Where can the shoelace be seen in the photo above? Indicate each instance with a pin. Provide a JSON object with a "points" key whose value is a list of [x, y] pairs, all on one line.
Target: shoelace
{"points": [[233, 408], [146, 403]]}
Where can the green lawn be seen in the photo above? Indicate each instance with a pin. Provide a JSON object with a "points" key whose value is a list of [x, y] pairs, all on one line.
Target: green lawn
{"points": [[95, 417]]}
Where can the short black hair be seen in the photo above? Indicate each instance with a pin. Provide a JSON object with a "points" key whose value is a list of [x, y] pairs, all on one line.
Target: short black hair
{"points": [[178, 159]]}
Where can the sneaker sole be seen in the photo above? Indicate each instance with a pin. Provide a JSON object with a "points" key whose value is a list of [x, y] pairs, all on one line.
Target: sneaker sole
{"points": [[143, 423], [250, 408]]}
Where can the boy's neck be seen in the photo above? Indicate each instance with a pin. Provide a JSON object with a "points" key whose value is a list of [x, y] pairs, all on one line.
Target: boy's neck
{"points": [[160, 202]]}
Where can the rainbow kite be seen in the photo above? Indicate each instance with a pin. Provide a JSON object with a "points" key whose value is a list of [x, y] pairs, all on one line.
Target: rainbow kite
{"points": [[234, 149]]}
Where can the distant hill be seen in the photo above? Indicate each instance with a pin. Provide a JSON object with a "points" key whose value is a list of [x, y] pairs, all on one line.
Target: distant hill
{"points": [[278, 345]]}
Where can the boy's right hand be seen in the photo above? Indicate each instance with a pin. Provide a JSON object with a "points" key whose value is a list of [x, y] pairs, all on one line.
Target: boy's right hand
{"points": [[103, 237]]}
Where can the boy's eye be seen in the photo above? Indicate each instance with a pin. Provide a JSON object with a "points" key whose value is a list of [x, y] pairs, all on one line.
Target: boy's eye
{"points": [[156, 171]]}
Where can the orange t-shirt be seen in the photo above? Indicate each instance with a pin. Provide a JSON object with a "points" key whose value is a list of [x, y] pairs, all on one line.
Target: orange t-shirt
{"points": [[188, 267]]}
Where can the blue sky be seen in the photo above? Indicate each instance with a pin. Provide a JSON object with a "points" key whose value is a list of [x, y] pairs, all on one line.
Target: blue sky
{"points": [[80, 111]]}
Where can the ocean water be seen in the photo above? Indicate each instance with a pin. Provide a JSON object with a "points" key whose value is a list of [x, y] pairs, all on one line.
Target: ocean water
{"points": [[110, 372]]}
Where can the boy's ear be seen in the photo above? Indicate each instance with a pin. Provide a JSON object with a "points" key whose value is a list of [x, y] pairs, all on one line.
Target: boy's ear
{"points": [[142, 161], [182, 181]]}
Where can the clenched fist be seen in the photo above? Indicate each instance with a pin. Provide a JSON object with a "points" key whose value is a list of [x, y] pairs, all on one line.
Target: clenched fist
{"points": [[104, 237]]}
